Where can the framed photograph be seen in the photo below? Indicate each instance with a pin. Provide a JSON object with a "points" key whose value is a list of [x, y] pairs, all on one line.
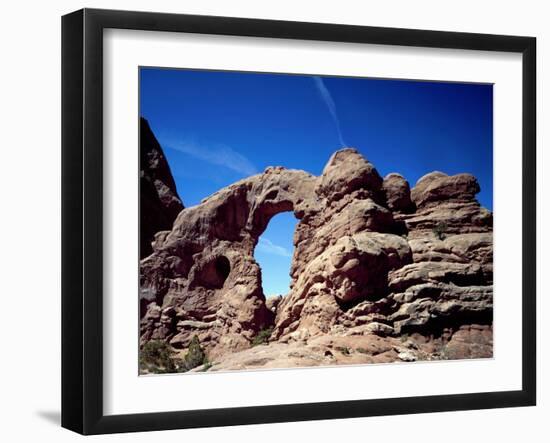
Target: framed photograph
{"points": [[268, 221]]}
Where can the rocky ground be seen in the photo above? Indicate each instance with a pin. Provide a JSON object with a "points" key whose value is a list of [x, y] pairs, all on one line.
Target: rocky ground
{"points": [[380, 272]]}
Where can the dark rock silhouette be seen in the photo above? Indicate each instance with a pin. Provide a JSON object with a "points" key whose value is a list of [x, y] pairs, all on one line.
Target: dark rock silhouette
{"points": [[159, 200]]}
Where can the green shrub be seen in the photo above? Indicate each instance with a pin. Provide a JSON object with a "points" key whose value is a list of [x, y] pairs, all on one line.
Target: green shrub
{"points": [[195, 355], [206, 365], [343, 349], [156, 356], [439, 230], [263, 336]]}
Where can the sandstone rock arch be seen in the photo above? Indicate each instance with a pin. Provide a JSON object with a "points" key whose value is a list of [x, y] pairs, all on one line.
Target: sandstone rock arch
{"points": [[204, 268], [365, 258]]}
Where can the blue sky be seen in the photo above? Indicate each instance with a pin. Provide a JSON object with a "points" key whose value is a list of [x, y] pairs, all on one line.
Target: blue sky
{"points": [[218, 127]]}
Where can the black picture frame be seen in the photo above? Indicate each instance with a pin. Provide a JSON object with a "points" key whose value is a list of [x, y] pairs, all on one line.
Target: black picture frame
{"points": [[82, 218]]}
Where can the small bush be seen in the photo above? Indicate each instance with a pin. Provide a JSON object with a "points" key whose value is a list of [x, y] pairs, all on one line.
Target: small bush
{"points": [[195, 355], [263, 337], [439, 230], [344, 350], [206, 365], [156, 356], [362, 351]]}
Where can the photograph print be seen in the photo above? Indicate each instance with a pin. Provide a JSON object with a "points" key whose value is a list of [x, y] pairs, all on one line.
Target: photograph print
{"points": [[292, 221]]}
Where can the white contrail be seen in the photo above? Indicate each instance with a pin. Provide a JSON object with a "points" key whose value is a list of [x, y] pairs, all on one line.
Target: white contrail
{"points": [[267, 246], [327, 98], [216, 154]]}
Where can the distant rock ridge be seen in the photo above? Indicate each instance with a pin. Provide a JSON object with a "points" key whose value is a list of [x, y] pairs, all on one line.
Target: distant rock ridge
{"points": [[159, 200], [383, 271]]}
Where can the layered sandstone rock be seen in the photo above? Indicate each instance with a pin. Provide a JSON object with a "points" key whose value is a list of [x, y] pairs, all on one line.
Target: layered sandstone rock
{"points": [[449, 284], [379, 272], [447, 201]]}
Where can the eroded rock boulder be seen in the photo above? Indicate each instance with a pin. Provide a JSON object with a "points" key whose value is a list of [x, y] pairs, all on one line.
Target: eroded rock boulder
{"points": [[437, 186], [446, 205], [398, 193], [354, 269]]}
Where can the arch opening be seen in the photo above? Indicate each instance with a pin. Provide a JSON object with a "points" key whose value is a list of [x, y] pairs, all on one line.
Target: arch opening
{"points": [[274, 252]]}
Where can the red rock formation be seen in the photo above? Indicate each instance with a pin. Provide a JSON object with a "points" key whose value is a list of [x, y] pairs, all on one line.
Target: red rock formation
{"points": [[373, 263], [202, 274]]}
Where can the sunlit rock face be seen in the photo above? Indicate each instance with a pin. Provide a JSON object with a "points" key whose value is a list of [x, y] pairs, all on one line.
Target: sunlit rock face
{"points": [[374, 262]]}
